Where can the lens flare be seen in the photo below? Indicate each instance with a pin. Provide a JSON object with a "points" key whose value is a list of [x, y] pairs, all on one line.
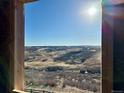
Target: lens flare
{"points": [[92, 11]]}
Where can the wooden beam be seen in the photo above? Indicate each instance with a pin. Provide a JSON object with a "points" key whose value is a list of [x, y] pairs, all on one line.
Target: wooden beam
{"points": [[107, 53], [116, 11], [28, 1], [117, 1], [19, 49], [112, 2]]}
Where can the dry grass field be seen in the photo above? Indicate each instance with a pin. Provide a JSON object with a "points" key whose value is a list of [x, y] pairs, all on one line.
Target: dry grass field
{"points": [[63, 70]]}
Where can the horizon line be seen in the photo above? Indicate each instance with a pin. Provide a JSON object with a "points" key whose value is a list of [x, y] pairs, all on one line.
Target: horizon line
{"points": [[61, 45]]}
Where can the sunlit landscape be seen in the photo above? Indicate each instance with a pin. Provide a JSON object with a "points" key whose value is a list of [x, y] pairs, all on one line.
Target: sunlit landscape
{"points": [[63, 69], [63, 46]]}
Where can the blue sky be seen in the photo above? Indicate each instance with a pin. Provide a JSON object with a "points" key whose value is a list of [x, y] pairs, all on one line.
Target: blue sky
{"points": [[62, 22]]}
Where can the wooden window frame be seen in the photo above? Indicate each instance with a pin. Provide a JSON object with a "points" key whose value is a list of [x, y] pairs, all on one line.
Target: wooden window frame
{"points": [[17, 67]]}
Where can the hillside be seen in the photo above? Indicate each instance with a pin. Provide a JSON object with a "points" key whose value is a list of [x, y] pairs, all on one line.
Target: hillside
{"points": [[72, 54], [62, 67]]}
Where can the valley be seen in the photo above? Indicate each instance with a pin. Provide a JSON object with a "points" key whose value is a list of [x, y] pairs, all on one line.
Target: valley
{"points": [[63, 69]]}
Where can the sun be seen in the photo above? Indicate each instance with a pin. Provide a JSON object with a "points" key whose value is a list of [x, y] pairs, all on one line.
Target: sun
{"points": [[92, 11]]}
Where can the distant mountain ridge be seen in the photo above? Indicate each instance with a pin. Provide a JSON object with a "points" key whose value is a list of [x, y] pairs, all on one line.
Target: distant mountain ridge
{"points": [[67, 54]]}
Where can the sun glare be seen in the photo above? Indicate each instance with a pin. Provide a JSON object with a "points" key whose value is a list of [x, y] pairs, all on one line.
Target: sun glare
{"points": [[92, 11]]}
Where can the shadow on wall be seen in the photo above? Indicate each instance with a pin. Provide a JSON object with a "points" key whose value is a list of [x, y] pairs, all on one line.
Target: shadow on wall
{"points": [[4, 46]]}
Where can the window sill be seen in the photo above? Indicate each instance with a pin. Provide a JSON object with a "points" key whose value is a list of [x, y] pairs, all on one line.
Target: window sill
{"points": [[19, 91]]}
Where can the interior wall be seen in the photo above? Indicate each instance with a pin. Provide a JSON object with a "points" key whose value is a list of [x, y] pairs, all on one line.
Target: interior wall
{"points": [[6, 43], [113, 47], [118, 48]]}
